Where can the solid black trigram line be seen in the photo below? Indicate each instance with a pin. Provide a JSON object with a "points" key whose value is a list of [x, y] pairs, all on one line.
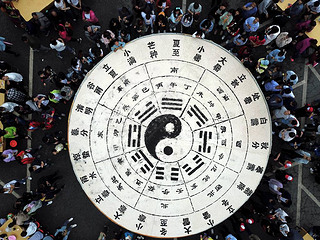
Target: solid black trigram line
{"points": [[139, 155], [199, 163], [172, 104], [199, 114], [205, 135], [134, 129], [174, 174], [159, 173], [148, 113]]}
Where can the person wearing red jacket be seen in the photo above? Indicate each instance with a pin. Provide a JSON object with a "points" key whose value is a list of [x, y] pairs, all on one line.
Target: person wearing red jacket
{"points": [[65, 32], [89, 16], [163, 6]]}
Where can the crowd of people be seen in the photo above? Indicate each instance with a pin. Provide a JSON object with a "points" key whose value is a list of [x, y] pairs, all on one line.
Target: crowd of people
{"points": [[262, 50]]}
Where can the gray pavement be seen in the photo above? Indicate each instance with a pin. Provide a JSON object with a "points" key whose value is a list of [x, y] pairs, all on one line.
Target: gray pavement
{"points": [[73, 202]]}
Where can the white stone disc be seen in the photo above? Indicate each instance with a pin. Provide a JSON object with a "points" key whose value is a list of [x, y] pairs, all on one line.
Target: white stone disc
{"points": [[169, 136]]}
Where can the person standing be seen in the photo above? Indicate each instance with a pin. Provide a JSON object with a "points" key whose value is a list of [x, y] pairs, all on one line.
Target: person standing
{"points": [[13, 184], [59, 45], [39, 19], [195, 9], [63, 232], [4, 47], [12, 77], [34, 43]]}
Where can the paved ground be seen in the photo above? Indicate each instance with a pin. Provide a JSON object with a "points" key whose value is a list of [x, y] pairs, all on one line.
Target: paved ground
{"points": [[73, 201]]}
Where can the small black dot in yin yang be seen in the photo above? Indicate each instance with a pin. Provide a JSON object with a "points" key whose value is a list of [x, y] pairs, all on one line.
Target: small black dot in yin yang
{"points": [[168, 150]]}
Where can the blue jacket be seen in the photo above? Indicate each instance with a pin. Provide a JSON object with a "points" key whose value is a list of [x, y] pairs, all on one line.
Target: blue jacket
{"points": [[2, 45]]}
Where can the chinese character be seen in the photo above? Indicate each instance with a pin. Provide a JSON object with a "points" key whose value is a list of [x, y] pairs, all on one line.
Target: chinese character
{"points": [[235, 83], [106, 67], [251, 166], [248, 100], [163, 222], [131, 60], [242, 77], [92, 175], [223, 60], [142, 218], [88, 110], [200, 94], [76, 156], [194, 186], [239, 143], [159, 85], [163, 231], [259, 169], [154, 54], [98, 90], [113, 74], [151, 188], [120, 187], [122, 209], [255, 145], [79, 108], [176, 43], [255, 96], [75, 132], [211, 193], [175, 52], [211, 104], [241, 186], [254, 122], [128, 172], [85, 154], [225, 202], [263, 120], [164, 205], [84, 179], [105, 193], [84, 133], [185, 221], [166, 191], [90, 85], [174, 70], [217, 67], [218, 187], [98, 199], [264, 145], [248, 191], [126, 53], [197, 57], [220, 90], [200, 49], [206, 215], [151, 45]]}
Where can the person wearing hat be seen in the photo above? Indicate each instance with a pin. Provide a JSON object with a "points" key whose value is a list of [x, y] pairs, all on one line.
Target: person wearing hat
{"points": [[161, 22], [305, 111], [283, 176]]}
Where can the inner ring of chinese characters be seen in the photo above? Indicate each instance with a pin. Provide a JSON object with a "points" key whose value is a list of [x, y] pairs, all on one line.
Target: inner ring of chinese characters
{"points": [[172, 142]]}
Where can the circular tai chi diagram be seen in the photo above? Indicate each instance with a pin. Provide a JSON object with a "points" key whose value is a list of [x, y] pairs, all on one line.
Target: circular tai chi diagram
{"points": [[169, 136]]}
